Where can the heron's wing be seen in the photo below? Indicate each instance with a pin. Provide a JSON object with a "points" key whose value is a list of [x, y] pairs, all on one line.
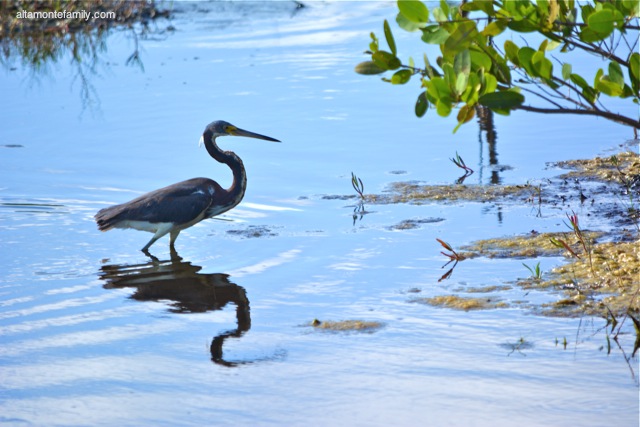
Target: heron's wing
{"points": [[178, 203]]}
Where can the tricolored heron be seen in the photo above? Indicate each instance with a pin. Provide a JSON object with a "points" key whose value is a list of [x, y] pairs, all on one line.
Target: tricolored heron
{"points": [[171, 209]]}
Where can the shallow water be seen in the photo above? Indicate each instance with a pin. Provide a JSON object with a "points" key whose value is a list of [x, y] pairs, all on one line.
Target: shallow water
{"points": [[94, 332]]}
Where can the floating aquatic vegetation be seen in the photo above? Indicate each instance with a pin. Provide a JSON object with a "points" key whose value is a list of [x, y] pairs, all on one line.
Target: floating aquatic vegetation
{"points": [[602, 168], [409, 224], [411, 192], [347, 325], [462, 303], [253, 231], [530, 245], [611, 283]]}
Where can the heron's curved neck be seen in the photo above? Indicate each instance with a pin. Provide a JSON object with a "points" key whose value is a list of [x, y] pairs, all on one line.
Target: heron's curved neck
{"points": [[229, 158]]}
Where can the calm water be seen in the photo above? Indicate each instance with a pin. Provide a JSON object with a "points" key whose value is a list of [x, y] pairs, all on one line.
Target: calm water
{"points": [[95, 333]]}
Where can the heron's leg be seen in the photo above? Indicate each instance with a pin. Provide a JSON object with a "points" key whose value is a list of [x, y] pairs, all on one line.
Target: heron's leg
{"points": [[174, 254], [151, 242], [155, 237], [154, 259], [173, 237]]}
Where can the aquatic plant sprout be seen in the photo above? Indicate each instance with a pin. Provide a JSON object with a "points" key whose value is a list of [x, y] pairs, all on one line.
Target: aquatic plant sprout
{"points": [[357, 185], [536, 272]]}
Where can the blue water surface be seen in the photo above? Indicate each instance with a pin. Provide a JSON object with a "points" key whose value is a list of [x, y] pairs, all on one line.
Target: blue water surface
{"points": [[94, 332]]}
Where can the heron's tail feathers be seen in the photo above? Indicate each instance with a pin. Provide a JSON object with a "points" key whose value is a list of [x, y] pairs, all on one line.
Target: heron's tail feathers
{"points": [[107, 218]]}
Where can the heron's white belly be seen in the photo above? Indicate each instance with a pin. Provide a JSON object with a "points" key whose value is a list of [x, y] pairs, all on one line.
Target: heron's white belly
{"points": [[151, 227]]}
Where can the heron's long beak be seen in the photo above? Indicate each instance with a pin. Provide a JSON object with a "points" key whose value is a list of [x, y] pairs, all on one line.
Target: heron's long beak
{"points": [[242, 132]]}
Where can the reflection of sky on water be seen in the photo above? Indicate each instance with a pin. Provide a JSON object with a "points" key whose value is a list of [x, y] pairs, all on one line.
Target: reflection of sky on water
{"points": [[262, 266], [303, 40]]}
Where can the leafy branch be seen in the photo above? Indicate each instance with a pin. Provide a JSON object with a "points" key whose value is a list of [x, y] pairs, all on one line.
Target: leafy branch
{"points": [[473, 70]]}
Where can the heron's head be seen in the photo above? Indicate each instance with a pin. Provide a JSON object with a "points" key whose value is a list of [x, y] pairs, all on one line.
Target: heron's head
{"points": [[222, 128]]}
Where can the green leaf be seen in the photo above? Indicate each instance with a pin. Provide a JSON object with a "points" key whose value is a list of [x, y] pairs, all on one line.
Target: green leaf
{"points": [[385, 60], [633, 6], [601, 22], [543, 5], [554, 10], [543, 45], [578, 80], [521, 26], [439, 89], [566, 71], [471, 94], [461, 38], [502, 100], [431, 72], [586, 11], [389, 36], [462, 62], [587, 35], [599, 75], [495, 28], [615, 74], [490, 83], [629, 4], [552, 45], [590, 94], [466, 113], [368, 68], [445, 8], [414, 10], [524, 57], [443, 108], [511, 52], [430, 98], [401, 77], [634, 71], [542, 66], [461, 83], [485, 6], [439, 15], [627, 92], [373, 46], [434, 34], [407, 25], [618, 20], [500, 69], [422, 104], [480, 60], [608, 87], [449, 75]]}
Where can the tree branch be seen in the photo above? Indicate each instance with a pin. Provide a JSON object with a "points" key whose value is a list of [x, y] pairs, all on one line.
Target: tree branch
{"points": [[550, 101], [574, 89], [598, 113], [589, 47]]}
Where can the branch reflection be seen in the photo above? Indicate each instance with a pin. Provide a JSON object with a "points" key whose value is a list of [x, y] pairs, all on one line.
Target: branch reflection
{"points": [[187, 290], [38, 44], [487, 127]]}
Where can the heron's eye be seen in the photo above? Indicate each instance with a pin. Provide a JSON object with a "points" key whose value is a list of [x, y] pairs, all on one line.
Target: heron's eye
{"points": [[231, 130]]}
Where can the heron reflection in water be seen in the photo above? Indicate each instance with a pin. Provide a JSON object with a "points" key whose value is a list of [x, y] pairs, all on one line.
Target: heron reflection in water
{"points": [[187, 290], [171, 209]]}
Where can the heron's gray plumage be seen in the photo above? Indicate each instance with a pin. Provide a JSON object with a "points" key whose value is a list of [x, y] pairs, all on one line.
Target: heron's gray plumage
{"points": [[178, 203], [181, 205]]}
